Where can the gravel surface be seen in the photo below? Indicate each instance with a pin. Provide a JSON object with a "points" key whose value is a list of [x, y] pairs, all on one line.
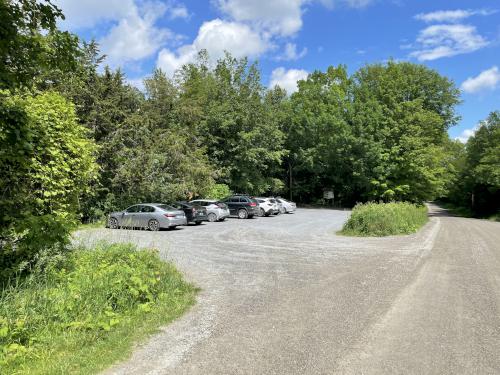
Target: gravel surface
{"points": [[285, 295]]}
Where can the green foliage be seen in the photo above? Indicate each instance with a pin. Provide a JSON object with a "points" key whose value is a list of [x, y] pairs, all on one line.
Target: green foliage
{"points": [[30, 43], [76, 305], [218, 191], [477, 186], [226, 108], [385, 219], [47, 163], [379, 134]]}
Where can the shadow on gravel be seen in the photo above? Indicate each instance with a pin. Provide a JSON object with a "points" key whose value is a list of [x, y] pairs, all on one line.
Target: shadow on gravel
{"points": [[437, 211]]}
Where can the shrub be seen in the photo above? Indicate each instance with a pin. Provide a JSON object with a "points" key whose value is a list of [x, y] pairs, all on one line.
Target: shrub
{"points": [[46, 163], [385, 219], [218, 191], [71, 302]]}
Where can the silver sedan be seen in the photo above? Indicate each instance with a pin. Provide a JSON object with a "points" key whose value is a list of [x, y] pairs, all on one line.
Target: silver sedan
{"points": [[152, 216]]}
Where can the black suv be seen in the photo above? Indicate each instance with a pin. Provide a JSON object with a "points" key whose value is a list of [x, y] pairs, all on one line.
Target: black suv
{"points": [[242, 206], [194, 213]]}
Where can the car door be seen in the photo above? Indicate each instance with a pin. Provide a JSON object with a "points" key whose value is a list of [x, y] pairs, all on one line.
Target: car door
{"points": [[129, 216], [146, 213], [234, 204]]}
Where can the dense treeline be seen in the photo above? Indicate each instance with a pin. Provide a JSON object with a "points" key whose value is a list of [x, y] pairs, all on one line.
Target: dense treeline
{"points": [[78, 141], [476, 186]]}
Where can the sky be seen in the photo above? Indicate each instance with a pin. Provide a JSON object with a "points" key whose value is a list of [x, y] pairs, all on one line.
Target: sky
{"points": [[291, 38]]}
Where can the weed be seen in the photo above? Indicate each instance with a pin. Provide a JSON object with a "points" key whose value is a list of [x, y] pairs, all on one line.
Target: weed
{"points": [[385, 219]]}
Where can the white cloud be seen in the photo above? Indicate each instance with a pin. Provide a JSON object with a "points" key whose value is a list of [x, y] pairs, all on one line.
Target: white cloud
{"points": [[452, 15], [216, 36], [486, 80], [137, 83], [89, 13], [287, 79], [466, 134], [439, 41], [133, 34], [283, 17], [277, 17], [291, 52], [351, 3], [178, 11], [136, 37]]}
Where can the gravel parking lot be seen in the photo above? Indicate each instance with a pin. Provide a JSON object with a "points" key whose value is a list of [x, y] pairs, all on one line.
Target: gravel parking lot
{"points": [[285, 295]]}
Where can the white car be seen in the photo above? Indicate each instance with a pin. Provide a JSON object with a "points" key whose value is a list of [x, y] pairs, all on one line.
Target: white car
{"points": [[286, 206], [267, 206], [216, 211]]}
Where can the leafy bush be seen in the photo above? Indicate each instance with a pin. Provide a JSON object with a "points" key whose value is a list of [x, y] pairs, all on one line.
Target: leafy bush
{"points": [[219, 191], [385, 219], [46, 163], [74, 302]]}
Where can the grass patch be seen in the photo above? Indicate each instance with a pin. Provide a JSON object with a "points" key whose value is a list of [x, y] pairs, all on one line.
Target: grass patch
{"points": [[385, 219], [85, 310], [92, 225]]}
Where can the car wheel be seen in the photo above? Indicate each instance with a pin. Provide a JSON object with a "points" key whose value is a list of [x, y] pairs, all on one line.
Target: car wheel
{"points": [[261, 212], [113, 223], [197, 222], [282, 210], [153, 225], [242, 214], [212, 217]]}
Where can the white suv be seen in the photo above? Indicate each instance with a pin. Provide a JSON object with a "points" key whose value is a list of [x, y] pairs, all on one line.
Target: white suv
{"points": [[267, 206], [216, 211], [287, 206]]}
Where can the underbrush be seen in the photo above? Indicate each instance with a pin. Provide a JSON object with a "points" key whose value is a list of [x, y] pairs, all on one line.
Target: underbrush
{"points": [[385, 219], [82, 311]]}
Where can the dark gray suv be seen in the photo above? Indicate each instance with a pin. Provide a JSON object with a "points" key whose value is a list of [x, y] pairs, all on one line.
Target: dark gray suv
{"points": [[242, 206]]}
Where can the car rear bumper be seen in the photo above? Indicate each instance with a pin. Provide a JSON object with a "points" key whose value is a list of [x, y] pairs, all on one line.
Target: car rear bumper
{"points": [[222, 214], [173, 222], [199, 218]]}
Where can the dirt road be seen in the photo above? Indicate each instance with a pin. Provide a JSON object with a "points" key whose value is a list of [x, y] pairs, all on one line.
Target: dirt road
{"points": [[285, 295]]}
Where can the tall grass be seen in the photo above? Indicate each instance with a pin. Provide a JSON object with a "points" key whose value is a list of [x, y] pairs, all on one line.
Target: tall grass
{"points": [[83, 311], [385, 219]]}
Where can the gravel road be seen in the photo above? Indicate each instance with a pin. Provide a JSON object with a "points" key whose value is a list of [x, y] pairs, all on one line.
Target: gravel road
{"points": [[285, 295]]}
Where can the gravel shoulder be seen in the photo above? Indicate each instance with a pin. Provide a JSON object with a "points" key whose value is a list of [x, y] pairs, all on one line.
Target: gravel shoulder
{"points": [[285, 295]]}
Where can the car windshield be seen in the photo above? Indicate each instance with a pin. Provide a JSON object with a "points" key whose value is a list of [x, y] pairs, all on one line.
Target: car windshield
{"points": [[166, 207]]}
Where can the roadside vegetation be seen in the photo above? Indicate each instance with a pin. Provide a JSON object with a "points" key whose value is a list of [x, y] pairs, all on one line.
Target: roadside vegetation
{"points": [[77, 142], [385, 219], [79, 312]]}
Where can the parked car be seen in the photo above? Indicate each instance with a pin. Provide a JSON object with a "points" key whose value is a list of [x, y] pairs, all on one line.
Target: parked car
{"points": [[242, 206], [216, 211], [267, 206], [194, 212], [152, 216], [287, 206]]}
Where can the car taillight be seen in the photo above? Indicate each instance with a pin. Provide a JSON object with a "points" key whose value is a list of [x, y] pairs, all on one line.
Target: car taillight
{"points": [[169, 215], [253, 204]]}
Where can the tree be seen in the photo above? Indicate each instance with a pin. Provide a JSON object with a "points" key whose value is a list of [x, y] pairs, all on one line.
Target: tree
{"points": [[224, 107], [47, 163], [400, 117], [483, 166], [30, 43], [319, 134]]}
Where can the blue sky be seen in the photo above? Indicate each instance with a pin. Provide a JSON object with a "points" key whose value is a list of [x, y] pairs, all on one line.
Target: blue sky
{"points": [[289, 38]]}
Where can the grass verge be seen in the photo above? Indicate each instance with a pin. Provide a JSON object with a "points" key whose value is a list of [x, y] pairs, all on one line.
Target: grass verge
{"points": [[385, 219], [84, 311], [92, 225]]}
